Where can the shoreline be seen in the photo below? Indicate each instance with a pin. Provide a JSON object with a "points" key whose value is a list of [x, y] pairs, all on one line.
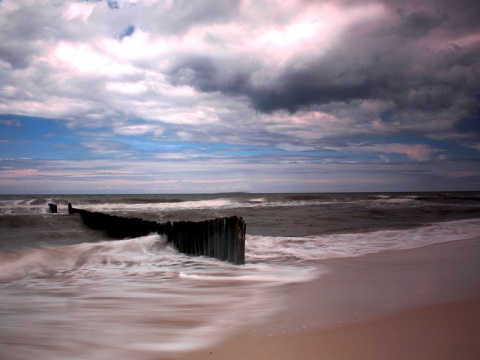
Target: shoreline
{"points": [[441, 331], [407, 304]]}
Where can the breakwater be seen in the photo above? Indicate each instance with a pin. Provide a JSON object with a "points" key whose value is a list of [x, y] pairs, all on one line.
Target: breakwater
{"points": [[221, 238]]}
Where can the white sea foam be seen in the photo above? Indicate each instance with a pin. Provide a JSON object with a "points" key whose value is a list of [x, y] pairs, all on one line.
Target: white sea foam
{"points": [[394, 200], [257, 200], [22, 208], [160, 206], [279, 249], [217, 203], [121, 297], [258, 273]]}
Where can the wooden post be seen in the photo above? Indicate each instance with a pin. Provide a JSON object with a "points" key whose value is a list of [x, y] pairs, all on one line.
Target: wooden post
{"points": [[230, 234], [206, 238], [52, 207], [211, 238], [189, 238], [239, 257]]}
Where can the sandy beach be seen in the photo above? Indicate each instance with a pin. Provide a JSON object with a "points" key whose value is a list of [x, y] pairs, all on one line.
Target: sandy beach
{"points": [[414, 304]]}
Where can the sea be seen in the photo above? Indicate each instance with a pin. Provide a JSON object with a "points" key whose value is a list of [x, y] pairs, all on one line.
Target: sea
{"points": [[70, 292]]}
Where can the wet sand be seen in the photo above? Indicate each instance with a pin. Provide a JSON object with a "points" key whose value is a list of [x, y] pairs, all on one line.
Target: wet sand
{"points": [[414, 304]]}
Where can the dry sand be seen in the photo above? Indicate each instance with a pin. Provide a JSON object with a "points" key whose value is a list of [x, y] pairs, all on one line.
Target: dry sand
{"points": [[414, 304]]}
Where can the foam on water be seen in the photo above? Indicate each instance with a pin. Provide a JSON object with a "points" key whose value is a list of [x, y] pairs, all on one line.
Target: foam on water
{"points": [[254, 273], [394, 199], [328, 246], [112, 299], [211, 204], [23, 207], [162, 206]]}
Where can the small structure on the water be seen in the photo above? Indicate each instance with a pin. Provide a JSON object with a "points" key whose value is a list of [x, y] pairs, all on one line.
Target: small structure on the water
{"points": [[52, 208], [221, 238]]}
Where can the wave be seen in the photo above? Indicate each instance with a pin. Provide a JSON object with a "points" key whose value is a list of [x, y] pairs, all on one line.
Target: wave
{"points": [[212, 204], [388, 199], [52, 261], [149, 255], [157, 300], [162, 206], [17, 205], [297, 249], [246, 202], [269, 258], [23, 207], [262, 273]]}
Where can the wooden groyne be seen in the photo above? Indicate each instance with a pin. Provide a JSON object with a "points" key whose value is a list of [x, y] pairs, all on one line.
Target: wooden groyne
{"points": [[221, 238]]}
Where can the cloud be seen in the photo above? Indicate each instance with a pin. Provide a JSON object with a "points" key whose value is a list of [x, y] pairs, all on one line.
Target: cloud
{"points": [[13, 122], [138, 129], [475, 146], [303, 56], [130, 78], [217, 175], [418, 152], [373, 58], [104, 147], [419, 24]]}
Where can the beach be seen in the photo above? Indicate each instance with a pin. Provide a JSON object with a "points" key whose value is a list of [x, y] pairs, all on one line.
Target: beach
{"points": [[422, 303], [327, 276]]}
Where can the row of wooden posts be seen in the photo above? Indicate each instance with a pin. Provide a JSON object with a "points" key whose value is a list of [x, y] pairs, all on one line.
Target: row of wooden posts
{"points": [[221, 238]]}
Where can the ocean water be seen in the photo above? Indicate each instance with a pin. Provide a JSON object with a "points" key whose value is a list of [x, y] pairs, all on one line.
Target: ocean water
{"points": [[69, 292]]}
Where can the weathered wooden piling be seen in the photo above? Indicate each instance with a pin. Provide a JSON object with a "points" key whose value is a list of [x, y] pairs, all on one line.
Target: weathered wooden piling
{"points": [[52, 208], [221, 238]]}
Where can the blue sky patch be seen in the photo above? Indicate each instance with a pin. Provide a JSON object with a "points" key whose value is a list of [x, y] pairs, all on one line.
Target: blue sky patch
{"points": [[129, 30]]}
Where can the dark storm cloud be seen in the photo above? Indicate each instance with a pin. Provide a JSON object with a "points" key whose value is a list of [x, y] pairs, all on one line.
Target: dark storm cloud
{"points": [[397, 59], [18, 35], [208, 75], [459, 16], [419, 24], [345, 76], [17, 58], [321, 83]]}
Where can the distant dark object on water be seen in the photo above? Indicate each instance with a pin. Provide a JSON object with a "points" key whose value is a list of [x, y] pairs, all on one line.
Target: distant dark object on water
{"points": [[221, 238], [52, 207]]}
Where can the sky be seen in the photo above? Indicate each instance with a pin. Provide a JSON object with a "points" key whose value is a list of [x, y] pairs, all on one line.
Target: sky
{"points": [[205, 96]]}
